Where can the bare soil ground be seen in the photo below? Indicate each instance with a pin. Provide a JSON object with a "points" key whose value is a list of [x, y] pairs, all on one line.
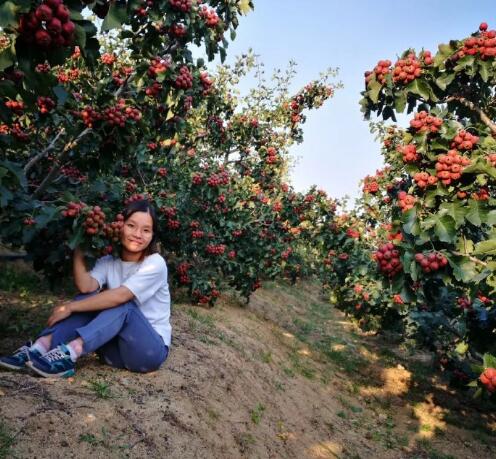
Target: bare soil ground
{"points": [[283, 377]]}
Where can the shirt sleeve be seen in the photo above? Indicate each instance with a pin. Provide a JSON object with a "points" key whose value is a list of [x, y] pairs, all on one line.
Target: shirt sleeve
{"points": [[148, 279], [100, 270]]}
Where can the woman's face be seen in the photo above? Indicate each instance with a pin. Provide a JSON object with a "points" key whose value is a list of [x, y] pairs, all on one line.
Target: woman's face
{"points": [[137, 232]]}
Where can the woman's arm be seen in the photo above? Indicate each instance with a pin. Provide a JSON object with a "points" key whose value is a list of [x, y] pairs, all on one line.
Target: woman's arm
{"points": [[84, 282], [104, 300]]}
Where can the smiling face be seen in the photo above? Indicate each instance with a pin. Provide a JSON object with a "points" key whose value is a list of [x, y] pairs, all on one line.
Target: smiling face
{"points": [[136, 235]]}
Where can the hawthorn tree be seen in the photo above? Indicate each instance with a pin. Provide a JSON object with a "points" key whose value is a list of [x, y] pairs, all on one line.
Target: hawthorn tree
{"points": [[91, 122], [435, 199]]}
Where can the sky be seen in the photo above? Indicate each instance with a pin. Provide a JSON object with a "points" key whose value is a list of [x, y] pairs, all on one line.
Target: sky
{"points": [[338, 149]]}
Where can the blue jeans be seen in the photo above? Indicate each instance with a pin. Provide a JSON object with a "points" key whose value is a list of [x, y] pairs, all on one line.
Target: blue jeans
{"points": [[122, 336]]}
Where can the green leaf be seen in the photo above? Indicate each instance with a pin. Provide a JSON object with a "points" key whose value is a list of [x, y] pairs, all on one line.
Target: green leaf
{"points": [[445, 229], [462, 348], [374, 88], [400, 102], [116, 15], [8, 14], [485, 247], [480, 167], [466, 61], [489, 361], [444, 80], [421, 88], [410, 222], [484, 70], [7, 58], [456, 211], [477, 213], [464, 270]]}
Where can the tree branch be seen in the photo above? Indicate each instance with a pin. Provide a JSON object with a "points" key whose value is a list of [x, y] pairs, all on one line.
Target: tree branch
{"points": [[470, 105], [475, 260], [40, 155]]}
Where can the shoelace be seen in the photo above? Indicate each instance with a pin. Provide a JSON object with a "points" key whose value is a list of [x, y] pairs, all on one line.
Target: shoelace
{"points": [[55, 354], [21, 350]]}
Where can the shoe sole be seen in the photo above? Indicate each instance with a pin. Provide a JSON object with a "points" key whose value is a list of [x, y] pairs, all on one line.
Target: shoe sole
{"points": [[11, 367], [62, 374]]}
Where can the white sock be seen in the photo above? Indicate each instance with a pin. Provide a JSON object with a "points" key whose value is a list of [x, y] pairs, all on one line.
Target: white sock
{"points": [[72, 352], [40, 347]]}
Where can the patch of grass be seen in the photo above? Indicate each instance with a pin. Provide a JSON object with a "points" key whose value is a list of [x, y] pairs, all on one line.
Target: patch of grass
{"points": [[301, 367], [342, 414], [427, 447], [266, 357], [105, 440], [257, 413], [425, 428], [204, 319], [101, 389], [7, 440], [245, 440], [89, 438], [22, 281], [289, 372], [279, 386], [212, 414]]}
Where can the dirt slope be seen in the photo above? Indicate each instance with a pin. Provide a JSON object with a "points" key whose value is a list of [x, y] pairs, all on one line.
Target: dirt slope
{"points": [[285, 377]]}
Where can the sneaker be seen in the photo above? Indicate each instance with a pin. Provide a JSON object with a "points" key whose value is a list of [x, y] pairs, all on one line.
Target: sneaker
{"points": [[18, 360], [56, 363]]}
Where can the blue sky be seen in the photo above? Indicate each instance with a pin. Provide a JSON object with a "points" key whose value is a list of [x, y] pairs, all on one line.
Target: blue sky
{"points": [[338, 149]]}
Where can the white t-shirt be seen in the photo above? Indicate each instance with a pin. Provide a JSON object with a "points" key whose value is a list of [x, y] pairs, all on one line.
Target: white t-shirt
{"points": [[147, 280]]}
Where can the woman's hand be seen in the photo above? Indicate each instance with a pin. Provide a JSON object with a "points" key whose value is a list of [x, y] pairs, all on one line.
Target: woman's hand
{"points": [[59, 313]]}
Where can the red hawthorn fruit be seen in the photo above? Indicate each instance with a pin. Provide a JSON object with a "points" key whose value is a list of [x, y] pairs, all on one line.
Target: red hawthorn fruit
{"points": [[43, 38], [483, 26], [43, 13], [62, 13], [488, 378], [54, 26], [68, 28]]}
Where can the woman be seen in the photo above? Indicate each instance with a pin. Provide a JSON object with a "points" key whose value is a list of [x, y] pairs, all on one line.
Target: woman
{"points": [[127, 324]]}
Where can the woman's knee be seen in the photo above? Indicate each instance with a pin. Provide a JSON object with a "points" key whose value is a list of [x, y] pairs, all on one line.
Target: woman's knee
{"points": [[150, 361]]}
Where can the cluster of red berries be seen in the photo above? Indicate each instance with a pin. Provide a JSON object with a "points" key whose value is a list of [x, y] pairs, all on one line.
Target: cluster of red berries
{"points": [[48, 26], [131, 185], [277, 206], [182, 271], [237, 233], [29, 221], [491, 158], [484, 45], [113, 230], [17, 106], [481, 195], [42, 68], [353, 234], [197, 179], [388, 259], [162, 171], [370, 185], [73, 173], [137, 197], [45, 104], [488, 378], [173, 224], [450, 166], [405, 201], [256, 285], [169, 212], [209, 16], [4, 129], [215, 249], [426, 57], [409, 153], [181, 5], [406, 70], [157, 66], [19, 133], [271, 155], [431, 262], [185, 79], [231, 254], [68, 75], [89, 116], [381, 70], [424, 122], [178, 30], [424, 179], [464, 303], [206, 82], [286, 253], [120, 75], [108, 59], [95, 220], [119, 114], [222, 178], [464, 141], [73, 209], [154, 89], [197, 234]]}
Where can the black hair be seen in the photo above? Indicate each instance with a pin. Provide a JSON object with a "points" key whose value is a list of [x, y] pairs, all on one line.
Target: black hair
{"points": [[144, 205]]}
